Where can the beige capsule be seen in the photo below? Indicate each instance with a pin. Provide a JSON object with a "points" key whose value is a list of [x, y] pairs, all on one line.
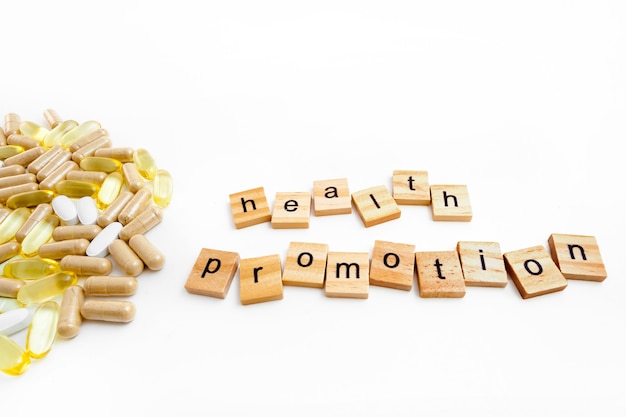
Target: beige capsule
{"points": [[137, 204], [23, 141], [126, 258], [110, 286], [17, 180], [90, 148], [43, 159], [88, 138], [11, 170], [111, 213], [52, 118], [144, 222], [55, 162], [57, 250], [9, 287], [40, 212], [86, 265], [95, 177], [70, 318], [108, 310], [9, 250], [26, 157], [132, 178], [121, 154], [8, 192], [58, 175], [152, 257], [11, 123], [3, 138], [77, 231]]}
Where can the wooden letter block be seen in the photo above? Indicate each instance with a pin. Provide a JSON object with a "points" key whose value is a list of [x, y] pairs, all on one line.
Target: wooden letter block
{"points": [[450, 203], [331, 197], [439, 275], [533, 272], [250, 207], [482, 264], [347, 275], [260, 279], [291, 211], [305, 265], [393, 265], [212, 273], [375, 205], [578, 257], [411, 187]]}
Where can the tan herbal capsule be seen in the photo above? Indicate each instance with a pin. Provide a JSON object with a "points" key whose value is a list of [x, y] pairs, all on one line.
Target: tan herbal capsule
{"points": [[3, 138], [121, 154], [25, 157], [17, 180], [126, 258], [90, 148], [70, 318], [12, 170], [90, 176], [8, 192], [145, 221], [55, 162], [9, 287], [11, 123], [132, 178], [108, 310], [111, 286], [57, 250], [88, 138], [9, 250], [78, 231], [57, 175], [111, 213], [43, 159], [86, 265], [40, 212], [137, 204], [23, 141], [149, 254], [52, 118]]}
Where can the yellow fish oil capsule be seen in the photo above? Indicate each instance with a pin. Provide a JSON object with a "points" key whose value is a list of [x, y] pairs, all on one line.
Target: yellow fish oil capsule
{"points": [[9, 287], [90, 176], [30, 199], [13, 359], [23, 141], [53, 163], [132, 178], [8, 192], [99, 163], [52, 118], [42, 329], [55, 135], [121, 154], [12, 223], [126, 258], [33, 130], [57, 250], [9, 250], [163, 187], [149, 254], [140, 201], [78, 132], [76, 188], [110, 286], [38, 213], [77, 231], [111, 213], [86, 265], [31, 268], [11, 123], [41, 233], [110, 189], [70, 318], [46, 288], [144, 222], [8, 151], [108, 310], [145, 163], [26, 157]]}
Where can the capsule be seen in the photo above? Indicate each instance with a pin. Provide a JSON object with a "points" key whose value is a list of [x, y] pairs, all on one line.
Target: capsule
{"points": [[57, 175], [22, 141], [140, 201], [111, 213], [38, 213], [31, 268], [42, 329], [108, 310], [163, 187], [126, 258], [26, 157], [40, 234], [53, 163], [8, 151], [78, 231], [29, 198], [13, 359], [90, 148], [54, 136], [110, 189], [3, 137], [99, 163], [149, 254], [9, 250], [76, 188], [17, 180], [11, 170], [132, 178], [44, 289], [11, 123], [121, 154], [9, 304], [88, 138], [145, 221], [79, 131], [110, 286], [8, 192], [145, 163], [70, 318], [52, 117], [91, 176], [57, 250], [43, 159], [9, 287], [86, 265], [33, 130], [12, 223]]}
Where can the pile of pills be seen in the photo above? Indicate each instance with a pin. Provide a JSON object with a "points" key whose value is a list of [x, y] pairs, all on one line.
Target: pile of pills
{"points": [[72, 207]]}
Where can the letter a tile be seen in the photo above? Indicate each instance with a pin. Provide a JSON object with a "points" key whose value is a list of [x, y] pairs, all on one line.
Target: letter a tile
{"points": [[534, 272], [578, 257], [331, 197], [212, 273], [375, 205], [249, 207]]}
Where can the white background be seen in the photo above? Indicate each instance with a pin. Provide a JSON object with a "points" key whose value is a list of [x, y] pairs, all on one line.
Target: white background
{"points": [[524, 103]]}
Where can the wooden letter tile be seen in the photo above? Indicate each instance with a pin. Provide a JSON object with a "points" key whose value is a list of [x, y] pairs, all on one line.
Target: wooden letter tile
{"points": [[578, 257], [534, 272], [482, 264], [249, 207], [375, 205], [439, 275], [331, 197], [393, 265], [291, 211], [212, 273], [411, 187], [347, 275], [260, 279], [450, 203], [305, 265]]}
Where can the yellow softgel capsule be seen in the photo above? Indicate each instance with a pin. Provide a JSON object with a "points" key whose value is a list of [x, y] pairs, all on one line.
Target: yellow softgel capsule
{"points": [[76, 188], [40, 234], [44, 289], [109, 190], [31, 268], [99, 163], [33, 130], [8, 151], [54, 136], [42, 329], [13, 359], [78, 132], [162, 188], [12, 223], [145, 163], [30, 199]]}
